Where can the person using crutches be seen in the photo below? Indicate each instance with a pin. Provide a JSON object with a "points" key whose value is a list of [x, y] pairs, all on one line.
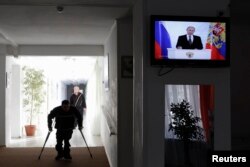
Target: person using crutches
{"points": [[65, 116]]}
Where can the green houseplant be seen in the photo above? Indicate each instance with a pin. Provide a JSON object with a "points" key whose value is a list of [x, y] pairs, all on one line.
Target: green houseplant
{"points": [[185, 125], [33, 83]]}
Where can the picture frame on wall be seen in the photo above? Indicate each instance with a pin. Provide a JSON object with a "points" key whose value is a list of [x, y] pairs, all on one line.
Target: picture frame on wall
{"points": [[127, 66], [106, 71]]}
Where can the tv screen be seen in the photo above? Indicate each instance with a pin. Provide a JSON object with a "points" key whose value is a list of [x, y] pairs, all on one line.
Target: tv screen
{"points": [[189, 41]]}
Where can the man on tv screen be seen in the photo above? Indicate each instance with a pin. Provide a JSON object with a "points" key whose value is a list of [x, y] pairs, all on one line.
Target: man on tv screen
{"points": [[189, 41]]}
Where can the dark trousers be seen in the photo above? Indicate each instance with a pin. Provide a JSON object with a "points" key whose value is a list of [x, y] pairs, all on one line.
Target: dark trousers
{"points": [[63, 136], [80, 109], [82, 114]]}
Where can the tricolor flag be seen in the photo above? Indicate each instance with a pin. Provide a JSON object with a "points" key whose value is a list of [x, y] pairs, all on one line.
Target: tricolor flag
{"points": [[162, 41], [216, 41]]}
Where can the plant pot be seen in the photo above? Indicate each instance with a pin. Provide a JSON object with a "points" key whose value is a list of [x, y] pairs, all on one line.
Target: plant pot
{"points": [[30, 130]]}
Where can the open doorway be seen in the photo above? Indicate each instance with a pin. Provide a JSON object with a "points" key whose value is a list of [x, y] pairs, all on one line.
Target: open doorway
{"points": [[189, 124], [60, 74]]}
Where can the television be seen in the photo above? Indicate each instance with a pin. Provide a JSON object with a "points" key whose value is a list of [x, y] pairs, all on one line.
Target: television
{"points": [[189, 41]]}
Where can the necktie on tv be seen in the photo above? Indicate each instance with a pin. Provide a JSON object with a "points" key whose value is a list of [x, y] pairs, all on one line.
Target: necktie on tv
{"points": [[189, 40]]}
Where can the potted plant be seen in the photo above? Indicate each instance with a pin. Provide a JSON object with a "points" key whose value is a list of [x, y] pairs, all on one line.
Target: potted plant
{"points": [[33, 83], [185, 125]]}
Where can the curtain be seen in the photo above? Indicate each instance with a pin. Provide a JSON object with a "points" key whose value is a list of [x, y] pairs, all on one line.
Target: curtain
{"points": [[207, 107]]}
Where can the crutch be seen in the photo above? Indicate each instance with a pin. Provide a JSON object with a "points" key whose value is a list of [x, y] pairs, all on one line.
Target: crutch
{"points": [[44, 144], [86, 143]]}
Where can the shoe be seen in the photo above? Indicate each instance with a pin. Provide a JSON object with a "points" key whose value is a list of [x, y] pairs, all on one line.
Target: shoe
{"points": [[67, 156], [59, 156]]}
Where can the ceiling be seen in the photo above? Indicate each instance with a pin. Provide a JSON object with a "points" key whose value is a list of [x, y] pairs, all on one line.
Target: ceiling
{"points": [[68, 2], [82, 22], [29, 22]]}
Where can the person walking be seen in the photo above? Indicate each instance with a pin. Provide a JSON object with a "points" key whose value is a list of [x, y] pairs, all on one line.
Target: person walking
{"points": [[65, 116]]}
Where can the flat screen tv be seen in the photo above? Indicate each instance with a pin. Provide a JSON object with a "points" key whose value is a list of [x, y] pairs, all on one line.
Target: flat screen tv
{"points": [[188, 41]]}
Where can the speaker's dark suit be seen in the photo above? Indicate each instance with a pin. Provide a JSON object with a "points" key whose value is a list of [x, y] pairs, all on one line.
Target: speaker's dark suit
{"points": [[183, 42]]}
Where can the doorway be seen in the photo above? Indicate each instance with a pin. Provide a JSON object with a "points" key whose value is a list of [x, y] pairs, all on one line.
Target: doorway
{"points": [[60, 74]]}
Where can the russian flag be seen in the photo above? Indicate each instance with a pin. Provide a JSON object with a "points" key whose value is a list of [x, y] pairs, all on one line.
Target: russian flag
{"points": [[162, 41], [216, 41]]}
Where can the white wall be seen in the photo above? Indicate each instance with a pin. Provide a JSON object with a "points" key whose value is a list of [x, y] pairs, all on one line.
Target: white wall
{"points": [[152, 149], [7, 97], [15, 101], [93, 96], [118, 101], [62, 91], [2, 97], [12, 112], [110, 99]]}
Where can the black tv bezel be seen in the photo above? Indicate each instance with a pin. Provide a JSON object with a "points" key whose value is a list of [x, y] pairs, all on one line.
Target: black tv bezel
{"points": [[188, 63]]}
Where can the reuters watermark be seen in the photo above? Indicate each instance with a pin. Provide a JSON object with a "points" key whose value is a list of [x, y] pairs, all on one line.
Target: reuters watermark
{"points": [[229, 158]]}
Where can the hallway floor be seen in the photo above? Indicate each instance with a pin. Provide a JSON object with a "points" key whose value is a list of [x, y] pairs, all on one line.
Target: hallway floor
{"points": [[23, 157], [76, 140]]}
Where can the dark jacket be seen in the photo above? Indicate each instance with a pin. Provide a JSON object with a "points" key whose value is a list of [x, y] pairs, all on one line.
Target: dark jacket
{"points": [[183, 42], [78, 101], [64, 119]]}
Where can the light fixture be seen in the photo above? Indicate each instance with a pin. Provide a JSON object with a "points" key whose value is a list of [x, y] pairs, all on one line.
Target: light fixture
{"points": [[60, 8]]}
